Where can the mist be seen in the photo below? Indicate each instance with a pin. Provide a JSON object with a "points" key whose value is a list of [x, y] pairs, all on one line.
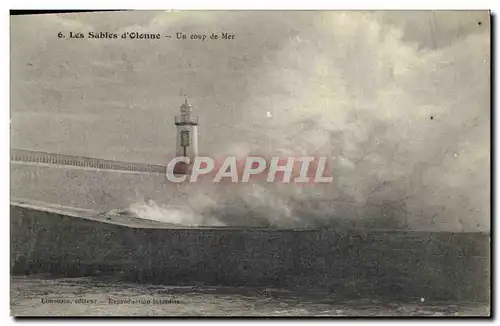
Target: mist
{"points": [[406, 128]]}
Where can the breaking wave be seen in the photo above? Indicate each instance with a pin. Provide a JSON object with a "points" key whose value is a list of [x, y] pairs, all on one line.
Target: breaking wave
{"points": [[406, 128]]}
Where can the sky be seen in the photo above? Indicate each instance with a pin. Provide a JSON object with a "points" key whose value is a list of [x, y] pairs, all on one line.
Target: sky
{"points": [[399, 100]]}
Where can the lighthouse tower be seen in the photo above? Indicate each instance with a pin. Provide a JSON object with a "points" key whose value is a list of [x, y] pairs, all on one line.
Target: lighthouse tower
{"points": [[187, 137]]}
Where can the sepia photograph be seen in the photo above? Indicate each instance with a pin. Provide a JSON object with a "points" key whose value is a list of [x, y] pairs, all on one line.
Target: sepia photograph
{"points": [[250, 163]]}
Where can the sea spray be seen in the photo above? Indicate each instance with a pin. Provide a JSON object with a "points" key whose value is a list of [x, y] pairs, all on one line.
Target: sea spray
{"points": [[406, 128], [182, 215]]}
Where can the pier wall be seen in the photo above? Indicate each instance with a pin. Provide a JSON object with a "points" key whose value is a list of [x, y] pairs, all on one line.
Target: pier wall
{"points": [[406, 265], [100, 190], [19, 155]]}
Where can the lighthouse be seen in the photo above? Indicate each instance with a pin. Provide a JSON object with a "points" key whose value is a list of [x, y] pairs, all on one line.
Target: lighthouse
{"points": [[187, 137]]}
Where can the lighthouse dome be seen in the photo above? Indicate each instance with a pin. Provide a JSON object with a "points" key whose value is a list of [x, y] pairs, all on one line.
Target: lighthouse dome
{"points": [[186, 107]]}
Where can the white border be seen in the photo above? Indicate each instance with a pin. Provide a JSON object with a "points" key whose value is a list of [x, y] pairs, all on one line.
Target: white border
{"points": [[257, 4], [184, 4]]}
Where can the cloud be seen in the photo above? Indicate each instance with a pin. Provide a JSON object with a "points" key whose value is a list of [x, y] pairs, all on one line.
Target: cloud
{"points": [[406, 127]]}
